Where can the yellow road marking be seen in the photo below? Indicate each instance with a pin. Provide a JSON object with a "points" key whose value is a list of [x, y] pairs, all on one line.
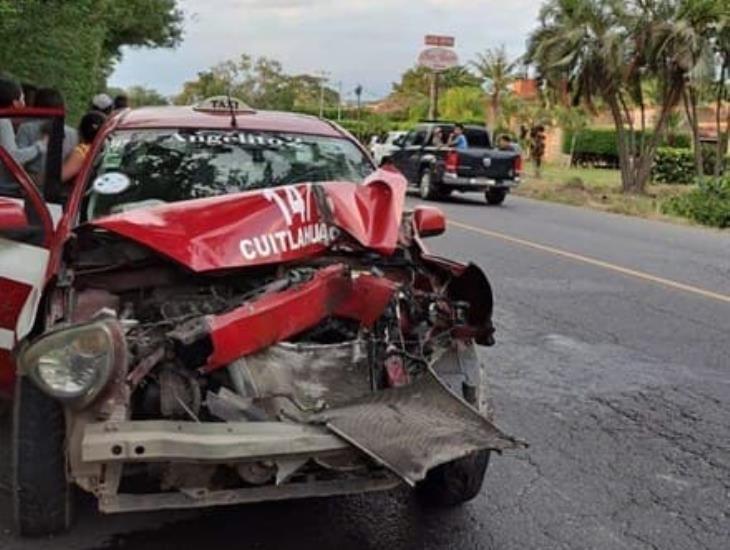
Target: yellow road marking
{"points": [[598, 263]]}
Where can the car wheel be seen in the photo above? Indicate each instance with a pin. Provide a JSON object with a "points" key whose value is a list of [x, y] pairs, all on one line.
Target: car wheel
{"points": [[495, 196], [427, 188], [461, 480], [42, 496], [455, 482]]}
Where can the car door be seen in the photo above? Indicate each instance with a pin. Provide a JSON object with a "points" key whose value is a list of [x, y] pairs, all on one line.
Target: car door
{"points": [[408, 158], [26, 229]]}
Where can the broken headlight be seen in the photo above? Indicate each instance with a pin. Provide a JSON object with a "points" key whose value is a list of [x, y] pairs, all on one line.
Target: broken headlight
{"points": [[75, 364]]}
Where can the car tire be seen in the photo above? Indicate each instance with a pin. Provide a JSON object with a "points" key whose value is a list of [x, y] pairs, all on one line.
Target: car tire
{"points": [[427, 188], [42, 495], [460, 480], [495, 196], [455, 482]]}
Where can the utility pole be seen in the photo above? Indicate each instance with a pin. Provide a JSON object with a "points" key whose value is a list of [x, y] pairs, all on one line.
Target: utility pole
{"points": [[433, 108], [323, 75], [339, 101], [358, 93]]}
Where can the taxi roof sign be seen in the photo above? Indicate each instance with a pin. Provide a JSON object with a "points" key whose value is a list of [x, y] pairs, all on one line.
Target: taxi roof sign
{"points": [[223, 104]]}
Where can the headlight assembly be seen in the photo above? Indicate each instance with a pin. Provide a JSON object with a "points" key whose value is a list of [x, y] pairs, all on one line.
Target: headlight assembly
{"points": [[75, 364]]}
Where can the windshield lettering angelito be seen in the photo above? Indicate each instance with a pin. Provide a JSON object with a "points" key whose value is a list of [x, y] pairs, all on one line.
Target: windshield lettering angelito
{"points": [[173, 165]]}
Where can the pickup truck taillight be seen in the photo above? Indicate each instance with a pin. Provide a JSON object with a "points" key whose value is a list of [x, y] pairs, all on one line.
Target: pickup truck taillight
{"points": [[452, 161], [518, 164]]}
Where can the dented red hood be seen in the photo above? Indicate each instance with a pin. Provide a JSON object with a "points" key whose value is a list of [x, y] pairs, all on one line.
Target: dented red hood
{"points": [[267, 226]]}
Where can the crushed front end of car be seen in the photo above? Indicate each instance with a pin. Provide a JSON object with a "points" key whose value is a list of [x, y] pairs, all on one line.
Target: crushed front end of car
{"points": [[278, 344]]}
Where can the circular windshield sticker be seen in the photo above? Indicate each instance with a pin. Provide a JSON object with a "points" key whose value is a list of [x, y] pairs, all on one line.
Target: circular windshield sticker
{"points": [[112, 183]]}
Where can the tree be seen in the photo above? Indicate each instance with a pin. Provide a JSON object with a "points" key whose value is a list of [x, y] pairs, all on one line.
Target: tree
{"points": [[140, 96], [607, 49], [689, 38], [261, 82], [417, 80], [73, 44], [496, 71], [465, 103], [721, 48]]}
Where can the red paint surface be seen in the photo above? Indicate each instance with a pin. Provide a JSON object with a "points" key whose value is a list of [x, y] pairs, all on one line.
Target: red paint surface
{"points": [[30, 192], [12, 299], [13, 295], [429, 221], [277, 316], [187, 117], [7, 374], [12, 215], [216, 233]]}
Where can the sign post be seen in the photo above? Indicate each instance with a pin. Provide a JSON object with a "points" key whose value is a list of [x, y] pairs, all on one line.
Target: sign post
{"points": [[438, 57]]}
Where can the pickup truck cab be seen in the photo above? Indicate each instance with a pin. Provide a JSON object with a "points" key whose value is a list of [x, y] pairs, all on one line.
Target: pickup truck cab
{"points": [[436, 171]]}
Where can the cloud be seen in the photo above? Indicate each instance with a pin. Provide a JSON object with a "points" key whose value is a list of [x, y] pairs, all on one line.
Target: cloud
{"points": [[368, 42]]}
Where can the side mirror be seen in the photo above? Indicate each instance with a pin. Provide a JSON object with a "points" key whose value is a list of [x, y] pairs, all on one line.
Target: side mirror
{"points": [[12, 215], [400, 142], [429, 221]]}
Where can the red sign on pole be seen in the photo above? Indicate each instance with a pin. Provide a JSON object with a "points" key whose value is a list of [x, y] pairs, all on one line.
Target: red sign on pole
{"points": [[441, 41]]}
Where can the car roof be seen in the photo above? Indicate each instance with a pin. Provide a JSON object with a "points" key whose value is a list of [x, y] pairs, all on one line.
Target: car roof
{"points": [[188, 117]]}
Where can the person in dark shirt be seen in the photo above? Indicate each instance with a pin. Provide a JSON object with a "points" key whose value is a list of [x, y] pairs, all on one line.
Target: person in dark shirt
{"points": [[537, 148], [121, 102]]}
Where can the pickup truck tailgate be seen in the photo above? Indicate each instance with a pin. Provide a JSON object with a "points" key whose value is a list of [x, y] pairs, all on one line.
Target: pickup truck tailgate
{"points": [[487, 163]]}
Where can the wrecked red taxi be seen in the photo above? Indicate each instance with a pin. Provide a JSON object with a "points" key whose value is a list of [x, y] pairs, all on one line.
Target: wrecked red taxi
{"points": [[232, 306]]}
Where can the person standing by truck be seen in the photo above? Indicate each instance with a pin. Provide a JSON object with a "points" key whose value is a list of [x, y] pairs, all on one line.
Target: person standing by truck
{"points": [[458, 140], [537, 147]]}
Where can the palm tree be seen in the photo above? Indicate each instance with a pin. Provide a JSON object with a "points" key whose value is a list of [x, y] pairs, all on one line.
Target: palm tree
{"points": [[497, 72], [687, 39], [607, 49]]}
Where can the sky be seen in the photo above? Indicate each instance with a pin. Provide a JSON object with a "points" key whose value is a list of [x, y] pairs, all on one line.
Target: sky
{"points": [[367, 42]]}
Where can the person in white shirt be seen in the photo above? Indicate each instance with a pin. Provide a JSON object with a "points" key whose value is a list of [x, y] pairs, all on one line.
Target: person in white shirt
{"points": [[11, 97]]}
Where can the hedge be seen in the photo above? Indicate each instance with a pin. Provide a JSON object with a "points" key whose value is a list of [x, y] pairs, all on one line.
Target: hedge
{"points": [[600, 146], [709, 204], [677, 166]]}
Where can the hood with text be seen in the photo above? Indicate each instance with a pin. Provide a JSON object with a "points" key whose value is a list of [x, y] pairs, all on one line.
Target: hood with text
{"points": [[273, 225]]}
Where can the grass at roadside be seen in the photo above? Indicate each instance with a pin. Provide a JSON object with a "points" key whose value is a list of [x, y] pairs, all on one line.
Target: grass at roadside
{"points": [[598, 189]]}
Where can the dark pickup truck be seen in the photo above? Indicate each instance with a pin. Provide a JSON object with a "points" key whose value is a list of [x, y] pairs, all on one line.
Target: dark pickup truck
{"points": [[437, 171]]}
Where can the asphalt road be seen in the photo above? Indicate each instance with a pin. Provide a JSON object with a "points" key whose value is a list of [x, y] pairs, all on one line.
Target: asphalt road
{"points": [[613, 361]]}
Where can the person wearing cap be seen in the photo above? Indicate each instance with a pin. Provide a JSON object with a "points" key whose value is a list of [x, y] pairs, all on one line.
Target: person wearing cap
{"points": [[102, 103]]}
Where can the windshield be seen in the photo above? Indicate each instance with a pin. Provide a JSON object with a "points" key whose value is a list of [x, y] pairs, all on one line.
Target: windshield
{"points": [[139, 168]]}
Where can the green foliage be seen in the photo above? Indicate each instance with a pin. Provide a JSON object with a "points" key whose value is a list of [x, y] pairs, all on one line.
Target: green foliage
{"points": [[367, 126], [462, 104], [139, 96], [417, 80], [709, 204], [604, 142], [674, 166], [72, 45], [261, 82], [616, 52]]}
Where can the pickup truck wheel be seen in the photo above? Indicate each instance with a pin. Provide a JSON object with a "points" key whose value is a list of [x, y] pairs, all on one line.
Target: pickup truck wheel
{"points": [[495, 196], [427, 188], [42, 496]]}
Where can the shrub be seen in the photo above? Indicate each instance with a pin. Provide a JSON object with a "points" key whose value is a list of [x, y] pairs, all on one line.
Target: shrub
{"points": [[678, 165], [600, 145], [709, 204], [674, 166]]}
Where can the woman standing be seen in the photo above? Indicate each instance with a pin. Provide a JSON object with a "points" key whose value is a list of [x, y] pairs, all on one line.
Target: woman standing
{"points": [[89, 127]]}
